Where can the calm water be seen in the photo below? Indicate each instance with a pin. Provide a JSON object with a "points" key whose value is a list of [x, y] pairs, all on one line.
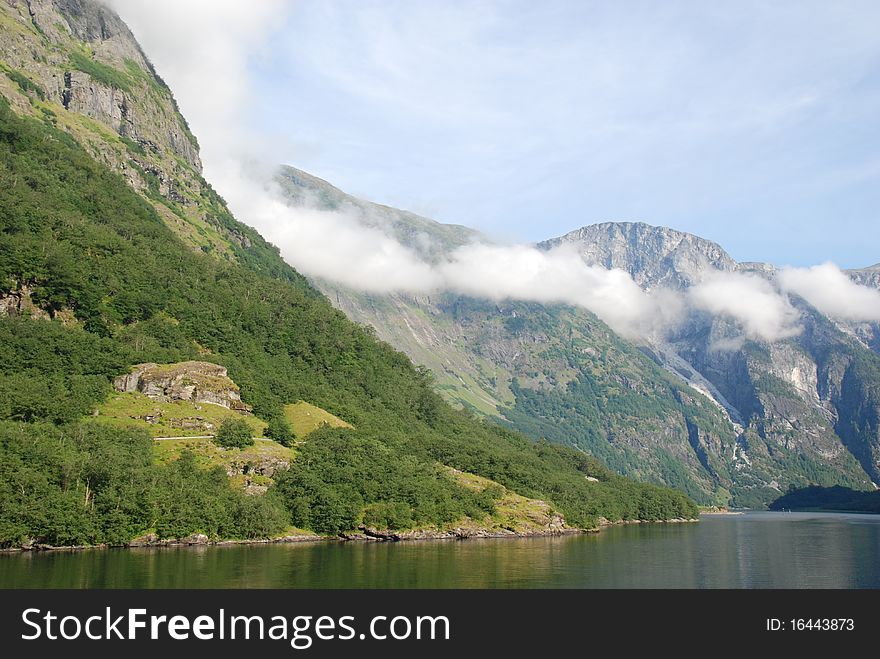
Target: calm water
{"points": [[755, 550]]}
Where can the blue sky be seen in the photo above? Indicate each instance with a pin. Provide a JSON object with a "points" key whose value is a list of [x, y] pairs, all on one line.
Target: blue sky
{"points": [[756, 124]]}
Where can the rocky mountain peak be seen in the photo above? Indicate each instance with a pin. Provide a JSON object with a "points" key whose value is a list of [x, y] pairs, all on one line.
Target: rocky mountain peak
{"points": [[869, 276], [654, 256]]}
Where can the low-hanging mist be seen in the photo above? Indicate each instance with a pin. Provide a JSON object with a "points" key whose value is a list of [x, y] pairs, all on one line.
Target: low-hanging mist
{"points": [[341, 246], [337, 246]]}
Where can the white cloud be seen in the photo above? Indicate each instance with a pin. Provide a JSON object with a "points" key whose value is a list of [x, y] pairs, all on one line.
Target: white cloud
{"points": [[832, 292], [522, 272], [752, 301], [334, 246], [204, 49]]}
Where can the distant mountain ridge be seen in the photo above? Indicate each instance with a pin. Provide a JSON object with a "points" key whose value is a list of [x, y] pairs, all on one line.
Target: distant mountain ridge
{"points": [[775, 416], [653, 256], [430, 239]]}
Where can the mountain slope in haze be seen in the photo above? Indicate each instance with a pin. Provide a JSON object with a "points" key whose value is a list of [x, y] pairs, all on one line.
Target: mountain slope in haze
{"points": [[736, 426], [430, 239], [99, 273], [554, 371], [805, 403]]}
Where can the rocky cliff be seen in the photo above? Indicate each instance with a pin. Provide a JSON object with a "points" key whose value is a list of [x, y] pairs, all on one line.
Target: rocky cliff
{"points": [[198, 382], [75, 65], [655, 257]]}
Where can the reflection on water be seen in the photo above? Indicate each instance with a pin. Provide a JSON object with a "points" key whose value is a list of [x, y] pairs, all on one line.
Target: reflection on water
{"points": [[755, 550]]}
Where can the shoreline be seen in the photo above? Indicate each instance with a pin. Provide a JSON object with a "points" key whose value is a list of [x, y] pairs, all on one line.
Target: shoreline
{"points": [[363, 535]]}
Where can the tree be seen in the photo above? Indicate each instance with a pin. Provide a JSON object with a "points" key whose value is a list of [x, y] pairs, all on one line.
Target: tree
{"points": [[234, 433], [280, 430]]}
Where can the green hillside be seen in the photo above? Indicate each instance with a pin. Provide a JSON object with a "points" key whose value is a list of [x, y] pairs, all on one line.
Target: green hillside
{"points": [[304, 418], [110, 285]]}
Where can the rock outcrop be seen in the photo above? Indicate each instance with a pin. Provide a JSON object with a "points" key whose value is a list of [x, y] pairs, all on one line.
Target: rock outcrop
{"points": [[198, 382], [654, 256]]}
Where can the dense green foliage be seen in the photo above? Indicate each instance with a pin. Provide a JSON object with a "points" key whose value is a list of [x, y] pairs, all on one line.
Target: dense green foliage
{"points": [[280, 430], [87, 484], [338, 472], [234, 433], [107, 75], [86, 247], [835, 498]]}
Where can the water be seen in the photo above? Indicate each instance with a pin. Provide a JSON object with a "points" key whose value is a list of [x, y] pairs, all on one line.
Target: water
{"points": [[755, 550]]}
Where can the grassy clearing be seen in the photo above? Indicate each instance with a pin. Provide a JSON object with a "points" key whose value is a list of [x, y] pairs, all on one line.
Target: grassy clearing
{"points": [[208, 454], [305, 418], [175, 419], [513, 511]]}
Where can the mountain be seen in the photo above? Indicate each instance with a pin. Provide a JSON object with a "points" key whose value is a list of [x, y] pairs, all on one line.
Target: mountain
{"points": [[803, 405], [430, 239], [553, 372], [733, 426], [120, 265], [867, 333], [653, 256]]}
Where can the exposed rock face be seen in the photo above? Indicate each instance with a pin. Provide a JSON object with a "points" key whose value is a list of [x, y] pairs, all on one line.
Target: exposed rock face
{"points": [[19, 303], [199, 382], [144, 111], [866, 332], [654, 256], [787, 395]]}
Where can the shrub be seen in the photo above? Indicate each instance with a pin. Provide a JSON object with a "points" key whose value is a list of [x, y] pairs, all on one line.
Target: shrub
{"points": [[279, 430], [234, 433]]}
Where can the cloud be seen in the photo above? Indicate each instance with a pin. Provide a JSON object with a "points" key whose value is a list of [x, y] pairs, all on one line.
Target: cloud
{"points": [[832, 292], [339, 247], [522, 272], [206, 50], [335, 246], [751, 300]]}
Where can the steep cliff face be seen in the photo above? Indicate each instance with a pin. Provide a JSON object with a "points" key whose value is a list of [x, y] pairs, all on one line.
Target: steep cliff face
{"points": [[79, 55], [655, 257], [785, 395], [75, 65], [868, 333]]}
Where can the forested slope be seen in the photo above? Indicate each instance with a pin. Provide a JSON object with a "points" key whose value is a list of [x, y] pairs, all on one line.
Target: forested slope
{"points": [[93, 281]]}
